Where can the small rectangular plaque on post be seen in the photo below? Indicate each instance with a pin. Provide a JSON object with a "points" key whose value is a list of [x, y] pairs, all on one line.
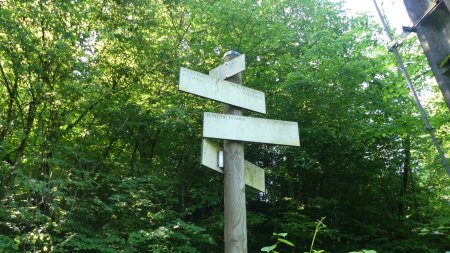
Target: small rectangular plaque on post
{"points": [[220, 159]]}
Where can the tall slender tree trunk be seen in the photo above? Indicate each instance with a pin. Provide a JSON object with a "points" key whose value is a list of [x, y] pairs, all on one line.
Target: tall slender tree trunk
{"points": [[405, 175]]}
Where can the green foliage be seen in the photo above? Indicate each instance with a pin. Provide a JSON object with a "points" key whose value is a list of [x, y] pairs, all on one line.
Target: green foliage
{"points": [[280, 240], [99, 150], [319, 226]]}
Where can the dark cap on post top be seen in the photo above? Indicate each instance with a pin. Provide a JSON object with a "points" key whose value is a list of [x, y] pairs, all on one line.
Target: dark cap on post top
{"points": [[231, 54]]}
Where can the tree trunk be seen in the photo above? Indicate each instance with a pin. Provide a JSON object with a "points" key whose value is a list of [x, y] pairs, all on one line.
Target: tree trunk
{"points": [[405, 174]]}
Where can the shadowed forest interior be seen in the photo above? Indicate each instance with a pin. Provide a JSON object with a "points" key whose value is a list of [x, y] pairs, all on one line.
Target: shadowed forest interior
{"points": [[100, 151]]}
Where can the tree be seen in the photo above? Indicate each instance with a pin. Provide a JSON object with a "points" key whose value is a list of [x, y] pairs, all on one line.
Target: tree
{"points": [[99, 150]]}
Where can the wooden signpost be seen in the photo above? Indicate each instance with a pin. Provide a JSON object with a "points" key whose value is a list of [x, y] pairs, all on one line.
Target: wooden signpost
{"points": [[233, 129]]}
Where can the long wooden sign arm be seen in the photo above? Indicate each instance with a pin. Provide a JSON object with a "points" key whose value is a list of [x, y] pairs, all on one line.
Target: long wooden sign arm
{"points": [[240, 128], [220, 90]]}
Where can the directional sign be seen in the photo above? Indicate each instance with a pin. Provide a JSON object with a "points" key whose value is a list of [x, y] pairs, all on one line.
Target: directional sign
{"points": [[253, 175], [221, 90], [210, 155], [229, 68], [239, 128]]}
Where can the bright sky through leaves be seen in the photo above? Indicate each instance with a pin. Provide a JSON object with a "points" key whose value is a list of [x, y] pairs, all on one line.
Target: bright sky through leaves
{"points": [[393, 9]]}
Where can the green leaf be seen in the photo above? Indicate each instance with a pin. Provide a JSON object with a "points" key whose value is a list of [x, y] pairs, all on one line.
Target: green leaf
{"points": [[286, 242], [269, 248], [280, 234]]}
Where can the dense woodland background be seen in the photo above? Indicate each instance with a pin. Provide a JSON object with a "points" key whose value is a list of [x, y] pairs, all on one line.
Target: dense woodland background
{"points": [[99, 151]]}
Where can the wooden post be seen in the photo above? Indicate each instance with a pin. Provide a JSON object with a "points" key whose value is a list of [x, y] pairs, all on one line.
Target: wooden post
{"points": [[234, 187]]}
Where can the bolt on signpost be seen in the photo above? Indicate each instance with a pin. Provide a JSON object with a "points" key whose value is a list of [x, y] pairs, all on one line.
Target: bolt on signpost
{"points": [[224, 84]]}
